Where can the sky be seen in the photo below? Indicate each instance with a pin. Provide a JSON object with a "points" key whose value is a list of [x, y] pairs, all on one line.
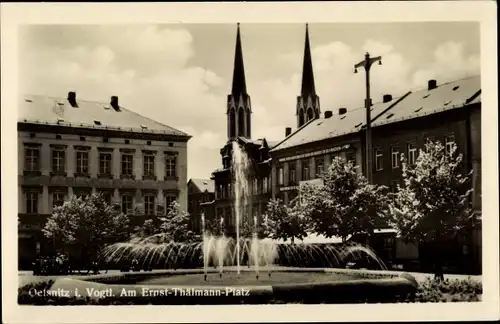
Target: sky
{"points": [[181, 74]]}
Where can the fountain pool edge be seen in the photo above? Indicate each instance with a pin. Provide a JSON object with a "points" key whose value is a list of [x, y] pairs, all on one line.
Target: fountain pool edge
{"points": [[372, 288]]}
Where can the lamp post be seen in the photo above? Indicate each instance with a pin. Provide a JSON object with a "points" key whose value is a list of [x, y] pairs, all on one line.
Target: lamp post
{"points": [[366, 64]]}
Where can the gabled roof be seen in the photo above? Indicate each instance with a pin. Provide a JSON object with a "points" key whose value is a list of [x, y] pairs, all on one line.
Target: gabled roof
{"points": [[337, 125], [415, 104], [89, 114], [204, 185], [446, 96]]}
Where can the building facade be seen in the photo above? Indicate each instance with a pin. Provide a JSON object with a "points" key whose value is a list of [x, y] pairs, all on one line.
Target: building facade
{"points": [[200, 193], [449, 113], [74, 147]]}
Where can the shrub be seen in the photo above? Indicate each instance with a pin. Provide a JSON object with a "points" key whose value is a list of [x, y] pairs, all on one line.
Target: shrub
{"points": [[449, 290]]}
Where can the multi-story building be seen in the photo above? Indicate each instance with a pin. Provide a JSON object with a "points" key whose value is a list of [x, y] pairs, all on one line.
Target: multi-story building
{"points": [[75, 147], [200, 192], [448, 112]]}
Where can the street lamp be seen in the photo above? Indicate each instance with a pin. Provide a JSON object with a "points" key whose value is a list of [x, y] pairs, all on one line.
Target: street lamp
{"points": [[366, 64]]}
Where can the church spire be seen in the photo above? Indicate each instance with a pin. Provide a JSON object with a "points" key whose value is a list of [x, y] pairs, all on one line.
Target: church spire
{"points": [[308, 87], [239, 111], [308, 101], [239, 82]]}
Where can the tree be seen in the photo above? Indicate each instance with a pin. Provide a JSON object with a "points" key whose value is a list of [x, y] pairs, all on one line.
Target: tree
{"points": [[89, 222], [284, 222], [175, 225], [345, 204], [433, 203], [150, 226]]}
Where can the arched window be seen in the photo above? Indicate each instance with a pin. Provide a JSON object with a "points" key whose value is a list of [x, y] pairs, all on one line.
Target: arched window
{"points": [[241, 122], [249, 128], [310, 114], [301, 118], [232, 123]]}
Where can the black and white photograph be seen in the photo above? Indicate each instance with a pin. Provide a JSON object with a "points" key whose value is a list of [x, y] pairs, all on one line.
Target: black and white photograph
{"points": [[250, 161]]}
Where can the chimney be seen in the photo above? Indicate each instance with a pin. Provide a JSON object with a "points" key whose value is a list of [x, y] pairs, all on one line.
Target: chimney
{"points": [[342, 111], [328, 114], [288, 131], [114, 103], [432, 84], [386, 98], [72, 99]]}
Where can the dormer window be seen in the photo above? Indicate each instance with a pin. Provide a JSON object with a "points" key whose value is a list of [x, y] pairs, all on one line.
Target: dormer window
{"points": [[97, 122], [389, 116], [456, 88], [60, 120], [417, 110], [144, 127], [447, 103], [358, 125], [426, 96]]}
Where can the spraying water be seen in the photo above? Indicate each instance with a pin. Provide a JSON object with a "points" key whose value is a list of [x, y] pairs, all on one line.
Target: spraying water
{"points": [[219, 251], [240, 170]]}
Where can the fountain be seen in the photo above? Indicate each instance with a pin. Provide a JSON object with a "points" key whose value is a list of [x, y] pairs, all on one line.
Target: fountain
{"points": [[218, 259]]}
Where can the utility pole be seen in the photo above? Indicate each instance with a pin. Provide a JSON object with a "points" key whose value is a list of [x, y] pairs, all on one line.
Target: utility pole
{"points": [[366, 64]]}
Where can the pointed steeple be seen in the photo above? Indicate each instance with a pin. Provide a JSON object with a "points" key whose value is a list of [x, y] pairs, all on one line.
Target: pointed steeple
{"points": [[308, 102], [239, 110], [308, 87], [239, 82]]}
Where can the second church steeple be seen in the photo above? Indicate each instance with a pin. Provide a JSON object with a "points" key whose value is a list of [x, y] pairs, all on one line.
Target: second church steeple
{"points": [[308, 102], [238, 102]]}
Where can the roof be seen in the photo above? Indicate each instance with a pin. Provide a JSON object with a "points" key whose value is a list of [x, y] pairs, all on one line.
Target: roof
{"points": [[89, 114], [337, 125], [414, 104], [446, 96], [204, 185]]}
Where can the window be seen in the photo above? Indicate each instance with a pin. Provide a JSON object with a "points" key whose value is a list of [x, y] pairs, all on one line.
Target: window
{"points": [[265, 185], [32, 202], [169, 199], [449, 142], [379, 160], [32, 155], [305, 170], [82, 162], [105, 163], [149, 204], [171, 166], [280, 176], [292, 174], [127, 203], [395, 157], [319, 167], [127, 164], [412, 153], [149, 165], [57, 199], [58, 160]]}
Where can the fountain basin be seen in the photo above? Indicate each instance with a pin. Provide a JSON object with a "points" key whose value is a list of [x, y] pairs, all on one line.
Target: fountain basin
{"points": [[187, 287]]}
